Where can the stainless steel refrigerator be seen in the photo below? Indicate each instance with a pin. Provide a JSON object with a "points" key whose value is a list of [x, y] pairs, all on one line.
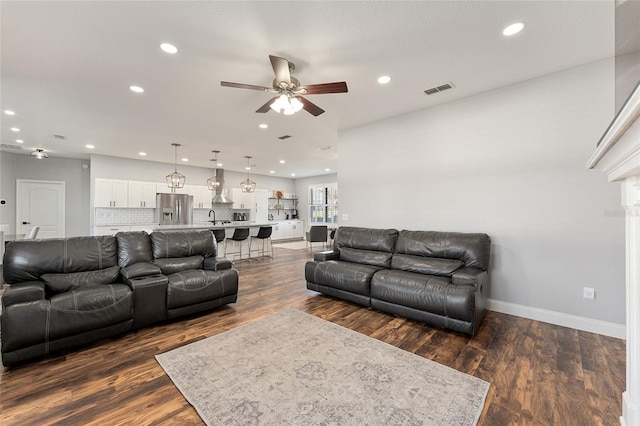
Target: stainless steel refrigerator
{"points": [[175, 209]]}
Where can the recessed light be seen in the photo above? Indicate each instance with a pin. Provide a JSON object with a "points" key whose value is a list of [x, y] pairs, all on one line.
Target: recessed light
{"points": [[89, 146], [136, 89], [142, 153], [327, 170], [293, 174], [218, 164], [247, 168], [513, 29], [263, 126], [384, 79], [185, 159], [282, 161], [9, 112], [272, 171], [15, 129], [169, 48], [19, 141]]}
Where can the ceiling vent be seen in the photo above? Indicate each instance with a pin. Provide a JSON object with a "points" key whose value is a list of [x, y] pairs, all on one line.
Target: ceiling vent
{"points": [[440, 88], [283, 137], [61, 137], [11, 147]]}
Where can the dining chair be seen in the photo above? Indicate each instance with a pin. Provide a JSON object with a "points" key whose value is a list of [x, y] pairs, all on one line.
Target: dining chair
{"points": [[317, 234]]}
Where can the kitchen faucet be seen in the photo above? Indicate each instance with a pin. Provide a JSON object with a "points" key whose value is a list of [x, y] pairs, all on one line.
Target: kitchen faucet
{"points": [[214, 216]]}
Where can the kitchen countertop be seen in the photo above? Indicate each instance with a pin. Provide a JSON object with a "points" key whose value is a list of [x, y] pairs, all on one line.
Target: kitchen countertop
{"points": [[209, 225]]}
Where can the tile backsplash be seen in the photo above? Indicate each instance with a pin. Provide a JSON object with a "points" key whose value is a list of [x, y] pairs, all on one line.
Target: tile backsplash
{"points": [[115, 216]]}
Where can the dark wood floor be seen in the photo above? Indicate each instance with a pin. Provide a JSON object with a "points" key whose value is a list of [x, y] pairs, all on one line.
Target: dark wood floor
{"points": [[540, 374]]}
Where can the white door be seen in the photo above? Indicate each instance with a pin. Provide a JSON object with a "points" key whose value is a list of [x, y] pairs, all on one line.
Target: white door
{"points": [[40, 203]]}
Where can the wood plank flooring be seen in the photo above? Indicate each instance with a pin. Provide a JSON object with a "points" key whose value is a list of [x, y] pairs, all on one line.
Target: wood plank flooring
{"points": [[540, 374]]}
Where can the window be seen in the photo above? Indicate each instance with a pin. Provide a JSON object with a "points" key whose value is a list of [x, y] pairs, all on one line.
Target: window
{"points": [[323, 203]]}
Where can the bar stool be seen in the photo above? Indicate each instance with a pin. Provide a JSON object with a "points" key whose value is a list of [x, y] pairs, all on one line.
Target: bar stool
{"points": [[264, 234], [219, 235], [239, 235]]}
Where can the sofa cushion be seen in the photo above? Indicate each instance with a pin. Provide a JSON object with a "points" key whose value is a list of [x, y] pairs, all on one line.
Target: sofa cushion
{"points": [[366, 257], [472, 249], [59, 283], [89, 308], [27, 260], [133, 247], [183, 244], [347, 276], [176, 264], [365, 238], [195, 286], [425, 265], [424, 292]]}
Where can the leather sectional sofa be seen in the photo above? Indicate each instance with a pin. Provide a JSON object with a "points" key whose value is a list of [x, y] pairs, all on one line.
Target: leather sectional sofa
{"points": [[71, 291], [439, 278]]}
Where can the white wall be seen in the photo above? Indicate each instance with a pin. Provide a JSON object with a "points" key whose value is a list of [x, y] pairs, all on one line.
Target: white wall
{"points": [[511, 163], [20, 166]]}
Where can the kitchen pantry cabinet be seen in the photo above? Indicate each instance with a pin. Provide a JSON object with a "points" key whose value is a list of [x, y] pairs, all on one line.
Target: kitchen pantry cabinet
{"points": [[111, 193], [142, 194]]}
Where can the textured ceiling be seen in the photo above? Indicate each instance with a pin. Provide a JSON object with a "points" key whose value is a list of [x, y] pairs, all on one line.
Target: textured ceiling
{"points": [[66, 68]]}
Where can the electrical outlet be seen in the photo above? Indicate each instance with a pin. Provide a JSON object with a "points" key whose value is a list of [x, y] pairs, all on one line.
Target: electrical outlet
{"points": [[345, 216], [589, 293]]}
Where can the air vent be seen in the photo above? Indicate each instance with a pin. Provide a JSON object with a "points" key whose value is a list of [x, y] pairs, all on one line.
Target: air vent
{"points": [[11, 147], [283, 137], [61, 137], [439, 88]]}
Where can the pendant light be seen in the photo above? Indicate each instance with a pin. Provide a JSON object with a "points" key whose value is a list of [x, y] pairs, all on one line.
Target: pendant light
{"points": [[175, 179], [215, 182], [248, 185]]}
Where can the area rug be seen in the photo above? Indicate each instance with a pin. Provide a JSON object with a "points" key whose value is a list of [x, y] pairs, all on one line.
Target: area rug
{"points": [[296, 369]]}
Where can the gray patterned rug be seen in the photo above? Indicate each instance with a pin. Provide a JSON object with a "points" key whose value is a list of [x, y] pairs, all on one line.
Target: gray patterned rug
{"points": [[295, 369]]}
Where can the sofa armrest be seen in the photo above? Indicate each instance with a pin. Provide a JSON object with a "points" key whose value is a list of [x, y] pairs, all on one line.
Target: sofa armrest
{"points": [[214, 264], [327, 255], [467, 276], [140, 269], [149, 299], [26, 291]]}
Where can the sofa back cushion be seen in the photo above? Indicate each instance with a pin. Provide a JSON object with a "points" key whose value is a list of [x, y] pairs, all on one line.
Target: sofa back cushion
{"points": [[366, 245], [133, 247], [171, 265], [28, 260], [425, 265], [60, 283], [472, 249], [183, 244]]}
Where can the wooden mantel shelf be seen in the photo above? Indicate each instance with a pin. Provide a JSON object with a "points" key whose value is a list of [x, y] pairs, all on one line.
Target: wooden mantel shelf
{"points": [[618, 155]]}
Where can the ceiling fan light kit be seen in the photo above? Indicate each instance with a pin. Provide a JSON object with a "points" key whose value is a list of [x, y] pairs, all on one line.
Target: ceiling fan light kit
{"points": [[289, 99], [175, 179]]}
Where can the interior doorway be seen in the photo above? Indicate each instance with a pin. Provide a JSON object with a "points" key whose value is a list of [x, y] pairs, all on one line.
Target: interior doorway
{"points": [[40, 203]]}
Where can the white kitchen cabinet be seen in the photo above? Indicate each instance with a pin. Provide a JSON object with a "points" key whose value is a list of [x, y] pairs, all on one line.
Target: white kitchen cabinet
{"points": [[277, 231], [241, 200], [259, 200], [298, 229], [110, 229], [287, 230], [111, 193], [142, 194], [202, 196]]}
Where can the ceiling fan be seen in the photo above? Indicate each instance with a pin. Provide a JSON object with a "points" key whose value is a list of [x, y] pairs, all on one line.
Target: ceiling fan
{"points": [[289, 99]]}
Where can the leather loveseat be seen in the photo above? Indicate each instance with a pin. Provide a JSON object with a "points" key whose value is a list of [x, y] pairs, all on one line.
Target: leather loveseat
{"points": [[439, 278], [71, 291]]}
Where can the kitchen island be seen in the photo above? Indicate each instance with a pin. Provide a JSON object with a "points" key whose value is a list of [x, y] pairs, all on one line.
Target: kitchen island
{"points": [[292, 229]]}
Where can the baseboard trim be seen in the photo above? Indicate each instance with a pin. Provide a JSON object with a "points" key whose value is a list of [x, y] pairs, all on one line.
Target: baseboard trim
{"points": [[558, 318]]}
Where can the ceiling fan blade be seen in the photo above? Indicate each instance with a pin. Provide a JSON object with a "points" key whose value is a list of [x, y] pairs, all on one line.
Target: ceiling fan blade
{"points": [[266, 107], [280, 69], [245, 86], [310, 107], [320, 89]]}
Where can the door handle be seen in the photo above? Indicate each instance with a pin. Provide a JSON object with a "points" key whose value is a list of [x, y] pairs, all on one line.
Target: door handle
{"points": [[26, 223]]}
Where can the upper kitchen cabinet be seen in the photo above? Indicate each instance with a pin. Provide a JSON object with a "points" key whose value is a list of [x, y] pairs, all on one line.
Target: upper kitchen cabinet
{"points": [[241, 200], [142, 194], [201, 196], [111, 193]]}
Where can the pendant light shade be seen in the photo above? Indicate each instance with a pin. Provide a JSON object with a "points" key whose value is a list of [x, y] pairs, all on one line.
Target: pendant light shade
{"points": [[175, 179], [248, 185], [215, 182]]}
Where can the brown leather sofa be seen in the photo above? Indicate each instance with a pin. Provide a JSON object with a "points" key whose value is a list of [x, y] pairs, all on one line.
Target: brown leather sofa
{"points": [[439, 278], [71, 291]]}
